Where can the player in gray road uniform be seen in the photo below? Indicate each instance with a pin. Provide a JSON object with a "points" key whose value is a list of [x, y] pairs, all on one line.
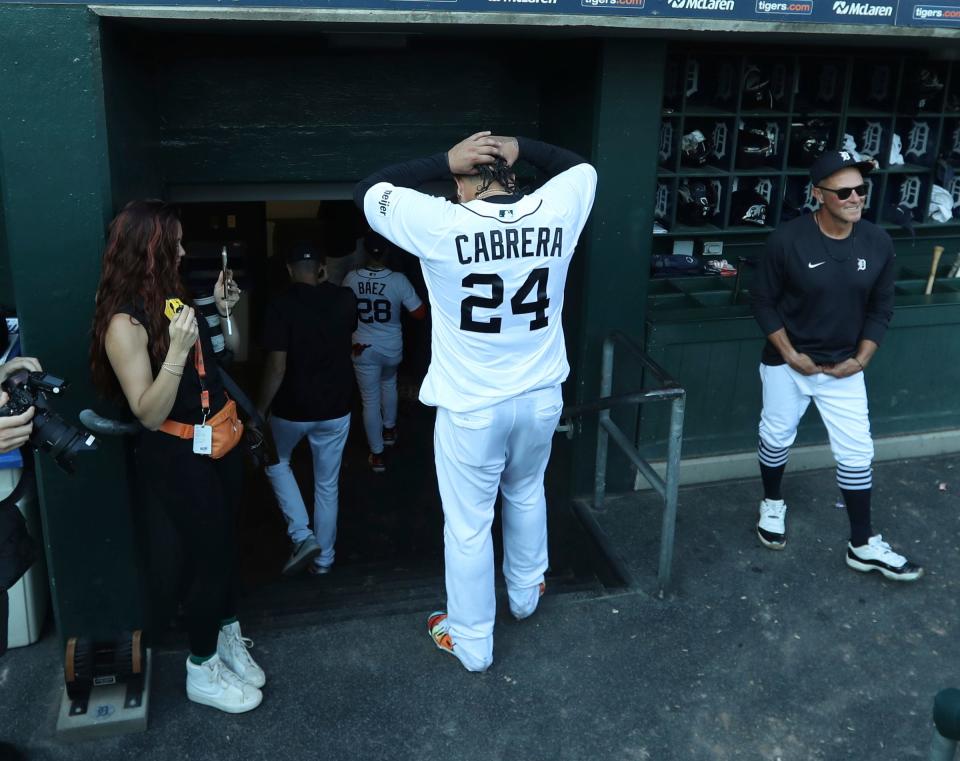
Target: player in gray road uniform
{"points": [[824, 297], [495, 265]]}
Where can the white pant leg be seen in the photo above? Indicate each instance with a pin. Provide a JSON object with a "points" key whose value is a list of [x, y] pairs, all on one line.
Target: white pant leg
{"points": [[524, 503], [388, 392], [786, 396], [842, 403], [327, 439], [470, 452], [286, 435], [369, 369]]}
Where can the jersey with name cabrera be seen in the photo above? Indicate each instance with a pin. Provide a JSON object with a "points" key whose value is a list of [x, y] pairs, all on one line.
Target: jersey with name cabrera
{"points": [[495, 272], [380, 294]]}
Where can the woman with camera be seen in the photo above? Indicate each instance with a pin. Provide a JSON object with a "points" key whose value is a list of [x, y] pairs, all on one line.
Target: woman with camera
{"points": [[149, 347]]}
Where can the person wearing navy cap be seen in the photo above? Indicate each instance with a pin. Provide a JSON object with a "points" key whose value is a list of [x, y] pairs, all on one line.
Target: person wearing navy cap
{"points": [[824, 298], [307, 389]]}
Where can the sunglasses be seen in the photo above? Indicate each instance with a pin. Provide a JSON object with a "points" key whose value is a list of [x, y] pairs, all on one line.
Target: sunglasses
{"points": [[844, 193]]}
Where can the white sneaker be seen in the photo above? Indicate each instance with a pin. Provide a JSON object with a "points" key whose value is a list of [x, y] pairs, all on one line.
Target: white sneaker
{"points": [[233, 650], [771, 528], [876, 555], [211, 683]]}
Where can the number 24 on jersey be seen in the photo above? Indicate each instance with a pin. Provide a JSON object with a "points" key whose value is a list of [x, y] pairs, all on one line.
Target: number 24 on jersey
{"points": [[520, 302]]}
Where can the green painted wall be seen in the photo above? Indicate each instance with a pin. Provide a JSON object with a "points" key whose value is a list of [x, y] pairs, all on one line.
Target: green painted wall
{"points": [[55, 182], [293, 109], [626, 113], [6, 277]]}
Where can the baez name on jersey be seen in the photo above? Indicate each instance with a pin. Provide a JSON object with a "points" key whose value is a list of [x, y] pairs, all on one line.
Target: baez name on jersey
{"points": [[511, 243], [368, 287]]}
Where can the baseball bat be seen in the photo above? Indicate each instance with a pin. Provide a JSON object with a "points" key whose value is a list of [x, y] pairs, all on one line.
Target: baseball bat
{"points": [[937, 253]]}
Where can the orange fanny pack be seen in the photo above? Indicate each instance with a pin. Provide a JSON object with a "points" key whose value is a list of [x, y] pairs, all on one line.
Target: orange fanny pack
{"points": [[226, 428]]}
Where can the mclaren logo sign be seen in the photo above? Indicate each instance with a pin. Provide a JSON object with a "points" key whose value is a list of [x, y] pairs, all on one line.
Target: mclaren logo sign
{"points": [[703, 5], [844, 8]]}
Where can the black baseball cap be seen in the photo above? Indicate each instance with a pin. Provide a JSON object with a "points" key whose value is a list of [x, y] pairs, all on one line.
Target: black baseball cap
{"points": [[375, 244], [303, 250], [834, 161]]}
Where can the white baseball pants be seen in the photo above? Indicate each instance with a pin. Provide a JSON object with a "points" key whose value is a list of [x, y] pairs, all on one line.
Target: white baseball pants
{"points": [[327, 438], [377, 381], [842, 403], [503, 447]]}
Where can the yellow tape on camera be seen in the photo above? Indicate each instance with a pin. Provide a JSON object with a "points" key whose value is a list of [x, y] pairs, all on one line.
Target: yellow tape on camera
{"points": [[172, 308]]}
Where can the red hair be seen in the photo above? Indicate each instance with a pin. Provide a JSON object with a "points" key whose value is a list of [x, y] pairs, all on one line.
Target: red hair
{"points": [[140, 271]]}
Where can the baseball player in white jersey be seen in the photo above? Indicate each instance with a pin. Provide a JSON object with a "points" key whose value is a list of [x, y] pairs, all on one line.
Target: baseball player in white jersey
{"points": [[378, 342], [495, 265]]}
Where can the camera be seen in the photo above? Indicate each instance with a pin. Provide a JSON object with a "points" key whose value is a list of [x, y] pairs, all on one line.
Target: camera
{"points": [[51, 433]]}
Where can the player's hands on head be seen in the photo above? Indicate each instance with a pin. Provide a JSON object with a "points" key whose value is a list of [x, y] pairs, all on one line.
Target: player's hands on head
{"points": [[803, 364], [183, 332], [14, 430], [509, 148], [479, 148]]}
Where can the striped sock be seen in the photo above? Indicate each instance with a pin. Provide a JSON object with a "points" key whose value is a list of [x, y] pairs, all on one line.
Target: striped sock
{"points": [[856, 485], [858, 511], [773, 462]]}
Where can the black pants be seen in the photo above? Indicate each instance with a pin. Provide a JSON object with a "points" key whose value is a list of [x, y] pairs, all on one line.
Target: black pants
{"points": [[200, 496]]}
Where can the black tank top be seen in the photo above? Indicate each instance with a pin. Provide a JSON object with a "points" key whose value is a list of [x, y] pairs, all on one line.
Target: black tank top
{"points": [[186, 407]]}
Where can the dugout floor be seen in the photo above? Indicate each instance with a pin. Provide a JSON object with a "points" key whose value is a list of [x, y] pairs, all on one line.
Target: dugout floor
{"points": [[390, 534], [758, 656]]}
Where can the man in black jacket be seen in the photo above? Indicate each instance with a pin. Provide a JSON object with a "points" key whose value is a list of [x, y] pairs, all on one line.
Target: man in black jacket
{"points": [[824, 297]]}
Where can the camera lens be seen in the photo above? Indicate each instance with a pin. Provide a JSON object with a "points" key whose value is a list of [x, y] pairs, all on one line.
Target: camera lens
{"points": [[62, 441]]}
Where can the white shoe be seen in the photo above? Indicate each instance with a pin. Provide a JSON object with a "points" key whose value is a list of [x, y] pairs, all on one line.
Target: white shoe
{"points": [[771, 528], [211, 683], [876, 555], [233, 650]]}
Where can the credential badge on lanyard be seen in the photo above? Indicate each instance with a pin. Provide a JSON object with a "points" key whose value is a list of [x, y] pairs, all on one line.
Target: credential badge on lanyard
{"points": [[202, 433]]}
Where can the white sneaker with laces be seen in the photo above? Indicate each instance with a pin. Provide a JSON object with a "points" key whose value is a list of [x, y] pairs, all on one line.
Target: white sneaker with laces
{"points": [[211, 683], [233, 649], [771, 528], [876, 555]]}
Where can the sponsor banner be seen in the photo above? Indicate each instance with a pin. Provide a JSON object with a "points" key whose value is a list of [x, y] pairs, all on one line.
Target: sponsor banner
{"points": [[863, 12], [923, 13], [935, 13], [796, 8]]}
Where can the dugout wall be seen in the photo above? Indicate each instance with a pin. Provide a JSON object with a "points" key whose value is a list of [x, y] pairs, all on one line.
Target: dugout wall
{"points": [[102, 104]]}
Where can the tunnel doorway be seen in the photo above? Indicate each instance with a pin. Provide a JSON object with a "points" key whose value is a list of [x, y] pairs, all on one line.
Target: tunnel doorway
{"points": [[389, 549]]}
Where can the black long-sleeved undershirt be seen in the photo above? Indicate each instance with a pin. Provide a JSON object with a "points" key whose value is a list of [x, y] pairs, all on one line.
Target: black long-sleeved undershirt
{"points": [[549, 159], [827, 294]]}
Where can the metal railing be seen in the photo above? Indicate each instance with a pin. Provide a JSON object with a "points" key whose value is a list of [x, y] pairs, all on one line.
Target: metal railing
{"points": [[668, 391]]}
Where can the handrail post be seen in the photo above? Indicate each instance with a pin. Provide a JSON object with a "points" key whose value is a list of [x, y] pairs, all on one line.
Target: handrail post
{"points": [[603, 438], [672, 486]]}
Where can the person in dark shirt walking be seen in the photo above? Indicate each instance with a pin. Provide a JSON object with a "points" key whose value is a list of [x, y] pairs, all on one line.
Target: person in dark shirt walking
{"points": [[824, 298], [307, 385]]}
